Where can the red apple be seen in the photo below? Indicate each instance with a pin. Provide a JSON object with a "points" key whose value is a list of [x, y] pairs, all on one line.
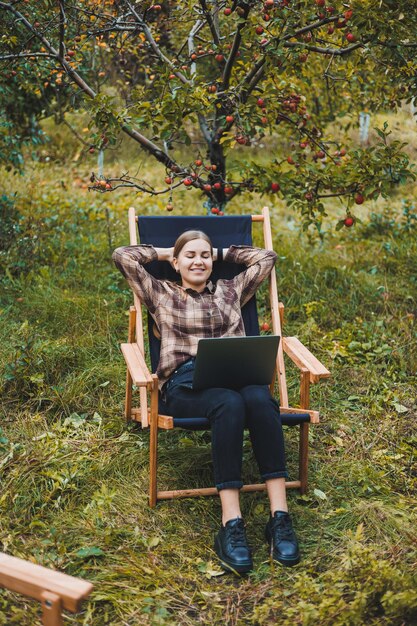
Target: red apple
{"points": [[359, 198], [350, 37], [230, 119], [275, 187], [265, 326], [259, 30], [227, 11], [260, 102], [349, 221]]}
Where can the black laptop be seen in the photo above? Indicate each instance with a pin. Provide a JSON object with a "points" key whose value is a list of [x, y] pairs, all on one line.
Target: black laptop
{"points": [[235, 362]]}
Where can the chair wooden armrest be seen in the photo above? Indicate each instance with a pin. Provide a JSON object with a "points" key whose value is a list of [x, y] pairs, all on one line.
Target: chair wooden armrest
{"points": [[139, 371], [43, 584], [303, 359]]}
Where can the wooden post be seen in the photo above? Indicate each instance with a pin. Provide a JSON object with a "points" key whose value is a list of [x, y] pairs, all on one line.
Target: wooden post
{"points": [[276, 321], [133, 239], [153, 443], [304, 429], [129, 381], [51, 609]]}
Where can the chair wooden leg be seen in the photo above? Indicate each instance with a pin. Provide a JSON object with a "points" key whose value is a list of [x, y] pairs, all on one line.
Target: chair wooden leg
{"points": [[153, 444], [304, 428], [303, 457], [128, 396]]}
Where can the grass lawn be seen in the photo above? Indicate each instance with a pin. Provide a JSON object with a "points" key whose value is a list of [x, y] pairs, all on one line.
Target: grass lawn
{"points": [[74, 475]]}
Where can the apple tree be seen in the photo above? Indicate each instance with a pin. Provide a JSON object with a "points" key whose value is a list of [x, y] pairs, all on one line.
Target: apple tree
{"points": [[194, 82]]}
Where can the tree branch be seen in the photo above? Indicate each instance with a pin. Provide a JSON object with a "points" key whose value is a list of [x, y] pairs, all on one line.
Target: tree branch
{"points": [[190, 41], [312, 26], [62, 24], [204, 128], [255, 80], [154, 46], [22, 55], [328, 51], [214, 32], [233, 52]]}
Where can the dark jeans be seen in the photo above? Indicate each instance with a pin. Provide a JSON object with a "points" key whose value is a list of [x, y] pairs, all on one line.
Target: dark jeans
{"points": [[230, 412]]}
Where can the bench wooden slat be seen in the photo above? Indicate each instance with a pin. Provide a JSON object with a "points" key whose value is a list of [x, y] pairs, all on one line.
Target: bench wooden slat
{"points": [[33, 580], [303, 358]]}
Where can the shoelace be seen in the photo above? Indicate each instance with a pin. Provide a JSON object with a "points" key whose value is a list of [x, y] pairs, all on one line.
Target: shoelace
{"points": [[237, 535], [282, 529]]}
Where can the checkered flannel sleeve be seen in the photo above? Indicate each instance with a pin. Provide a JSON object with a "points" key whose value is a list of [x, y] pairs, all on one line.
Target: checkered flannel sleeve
{"points": [[130, 260], [259, 264]]}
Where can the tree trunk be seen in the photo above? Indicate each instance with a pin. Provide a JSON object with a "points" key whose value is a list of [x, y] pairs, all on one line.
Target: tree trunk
{"points": [[217, 159]]}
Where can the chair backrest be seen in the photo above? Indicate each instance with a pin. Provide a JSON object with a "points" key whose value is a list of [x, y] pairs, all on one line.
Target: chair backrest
{"points": [[223, 232]]}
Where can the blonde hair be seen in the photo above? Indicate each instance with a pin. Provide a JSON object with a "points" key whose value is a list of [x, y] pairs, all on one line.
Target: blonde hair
{"points": [[190, 235]]}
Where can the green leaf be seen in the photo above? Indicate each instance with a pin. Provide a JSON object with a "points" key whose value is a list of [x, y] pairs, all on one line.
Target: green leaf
{"points": [[320, 494], [400, 408], [85, 553]]}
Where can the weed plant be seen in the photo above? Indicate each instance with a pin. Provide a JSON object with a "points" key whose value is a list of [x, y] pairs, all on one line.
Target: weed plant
{"points": [[74, 474]]}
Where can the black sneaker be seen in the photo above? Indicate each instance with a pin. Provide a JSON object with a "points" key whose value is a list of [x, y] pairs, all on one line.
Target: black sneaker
{"points": [[281, 537], [232, 548]]}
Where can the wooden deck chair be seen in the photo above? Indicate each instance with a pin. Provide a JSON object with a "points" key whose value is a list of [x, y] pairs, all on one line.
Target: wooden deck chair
{"points": [[162, 232], [56, 591]]}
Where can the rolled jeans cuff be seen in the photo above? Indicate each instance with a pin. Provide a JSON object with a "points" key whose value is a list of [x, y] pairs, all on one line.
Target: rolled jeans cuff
{"points": [[231, 484], [282, 474]]}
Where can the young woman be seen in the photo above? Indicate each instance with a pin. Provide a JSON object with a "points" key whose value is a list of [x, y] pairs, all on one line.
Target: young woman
{"points": [[184, 313]]}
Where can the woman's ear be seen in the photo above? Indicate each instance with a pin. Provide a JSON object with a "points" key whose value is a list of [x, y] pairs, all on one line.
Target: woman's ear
{"points": [[174, 263]]}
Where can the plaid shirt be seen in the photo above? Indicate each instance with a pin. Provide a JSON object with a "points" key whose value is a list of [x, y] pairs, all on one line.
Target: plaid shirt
{"points": [[183, 316]]}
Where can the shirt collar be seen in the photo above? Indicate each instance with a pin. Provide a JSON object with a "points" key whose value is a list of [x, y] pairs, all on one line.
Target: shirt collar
{"points": [[209, 288]]}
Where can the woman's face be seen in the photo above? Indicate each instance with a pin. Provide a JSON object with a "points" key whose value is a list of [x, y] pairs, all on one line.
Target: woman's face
{"points": [[195, 264]]}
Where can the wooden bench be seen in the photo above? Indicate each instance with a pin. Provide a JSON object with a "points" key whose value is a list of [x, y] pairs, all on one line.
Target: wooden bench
{"points": [[55, 590]]}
